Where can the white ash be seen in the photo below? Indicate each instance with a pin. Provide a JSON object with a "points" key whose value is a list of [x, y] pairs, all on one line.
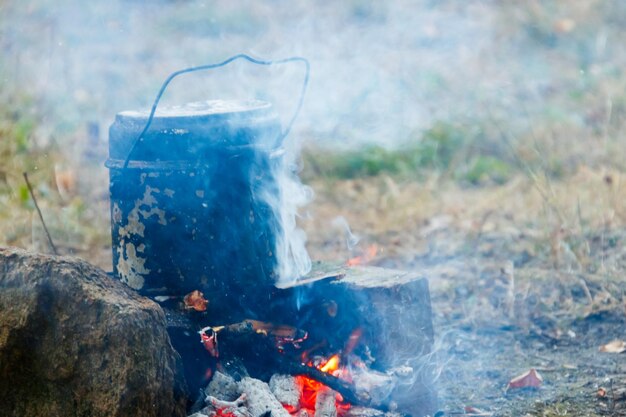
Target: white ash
{"points": [[370, 412], [235, 408], [376, 384], [303, 412], [217, 403], [403, 371], [222, 387], [326, 403], [260, 399], [286, 389], [364, 412]]}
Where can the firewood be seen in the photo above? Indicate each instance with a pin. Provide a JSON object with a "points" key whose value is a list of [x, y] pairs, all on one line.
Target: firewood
{"points": [[381, 316], [346, 389], [236, 340], [390, 307]]}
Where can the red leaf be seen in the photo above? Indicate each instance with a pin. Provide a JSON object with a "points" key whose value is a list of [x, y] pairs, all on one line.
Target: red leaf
{"points": [[527, 379]]}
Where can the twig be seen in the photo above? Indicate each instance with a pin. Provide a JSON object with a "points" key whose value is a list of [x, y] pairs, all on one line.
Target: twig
{"points": [[45, 228], [612, 403]]}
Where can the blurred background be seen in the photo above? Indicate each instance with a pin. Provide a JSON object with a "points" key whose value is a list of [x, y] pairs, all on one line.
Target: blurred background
{"points": [[480, 141], [476, 89]]}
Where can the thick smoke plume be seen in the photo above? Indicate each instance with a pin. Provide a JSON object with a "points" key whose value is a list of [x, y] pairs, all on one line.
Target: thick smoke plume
{"points": [[291, 254]]}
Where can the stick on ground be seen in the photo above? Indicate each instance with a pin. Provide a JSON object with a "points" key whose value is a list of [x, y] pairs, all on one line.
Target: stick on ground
{"points": [[45, 228]]}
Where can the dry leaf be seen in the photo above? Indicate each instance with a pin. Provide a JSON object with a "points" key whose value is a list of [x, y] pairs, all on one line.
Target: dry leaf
{"points": [[616, 346], [473, 411], [195, 300], [527, 379], [601, 393]]}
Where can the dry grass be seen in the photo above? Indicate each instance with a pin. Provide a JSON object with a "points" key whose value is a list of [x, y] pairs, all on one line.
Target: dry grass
{"points": [[530, 248]]}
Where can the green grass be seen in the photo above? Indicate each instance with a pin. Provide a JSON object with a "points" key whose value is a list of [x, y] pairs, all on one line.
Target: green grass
{"points": [[446, 149]]}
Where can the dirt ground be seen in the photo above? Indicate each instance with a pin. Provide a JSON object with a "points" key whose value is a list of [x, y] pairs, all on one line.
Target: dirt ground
{"points": [[517, 282], [526, 274]]}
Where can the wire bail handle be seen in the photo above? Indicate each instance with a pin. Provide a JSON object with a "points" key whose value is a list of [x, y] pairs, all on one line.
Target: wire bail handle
{"points": [[248, 58]]}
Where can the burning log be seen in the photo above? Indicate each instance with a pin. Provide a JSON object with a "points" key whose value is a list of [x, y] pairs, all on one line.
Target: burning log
{"points": [[392, 310], [378, 320], [253, 331], [346, 389], [282, 333], [265, 356]]}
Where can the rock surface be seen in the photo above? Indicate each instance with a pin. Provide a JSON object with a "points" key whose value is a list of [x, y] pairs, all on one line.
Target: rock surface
{"points": [[74, 342]]}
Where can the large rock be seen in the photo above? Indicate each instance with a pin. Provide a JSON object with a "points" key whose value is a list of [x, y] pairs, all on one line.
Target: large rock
{"points": [[74, 342]]}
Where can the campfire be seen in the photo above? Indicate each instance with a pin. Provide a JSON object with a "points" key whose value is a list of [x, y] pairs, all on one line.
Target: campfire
{"points": [[348, 343], [203, 206]]}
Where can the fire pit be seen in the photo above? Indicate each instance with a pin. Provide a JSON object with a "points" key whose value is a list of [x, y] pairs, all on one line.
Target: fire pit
{"points": [[199, 224]]}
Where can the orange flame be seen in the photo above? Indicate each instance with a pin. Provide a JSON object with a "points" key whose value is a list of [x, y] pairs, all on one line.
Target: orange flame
{"points": [[331, 365], [310, 387], [368, 256]]}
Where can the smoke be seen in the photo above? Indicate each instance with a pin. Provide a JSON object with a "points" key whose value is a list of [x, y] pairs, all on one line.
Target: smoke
{"points": [[292, 258], [380, 70], [342, 224]]}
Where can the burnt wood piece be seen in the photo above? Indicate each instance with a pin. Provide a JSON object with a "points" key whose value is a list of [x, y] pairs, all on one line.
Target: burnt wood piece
{"points": [[390, 307], [346, 389], [262, 359]]}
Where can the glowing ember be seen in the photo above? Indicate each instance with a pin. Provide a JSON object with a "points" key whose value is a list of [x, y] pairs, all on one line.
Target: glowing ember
{"points": [[224, 412], [310, 388], [369, 254]]}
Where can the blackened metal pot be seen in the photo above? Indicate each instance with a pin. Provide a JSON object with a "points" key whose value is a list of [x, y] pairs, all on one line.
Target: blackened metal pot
{"points": [[190, 210]]}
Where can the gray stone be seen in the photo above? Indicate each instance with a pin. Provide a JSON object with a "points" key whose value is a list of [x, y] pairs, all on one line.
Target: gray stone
{"points": [[74, 342]]}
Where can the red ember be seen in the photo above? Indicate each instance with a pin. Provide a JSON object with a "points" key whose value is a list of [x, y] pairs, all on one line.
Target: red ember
{"points": [[310, 388]]}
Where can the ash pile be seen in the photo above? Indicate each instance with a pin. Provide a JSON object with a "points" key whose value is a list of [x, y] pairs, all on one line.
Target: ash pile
{"points": [[284, 396]]}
